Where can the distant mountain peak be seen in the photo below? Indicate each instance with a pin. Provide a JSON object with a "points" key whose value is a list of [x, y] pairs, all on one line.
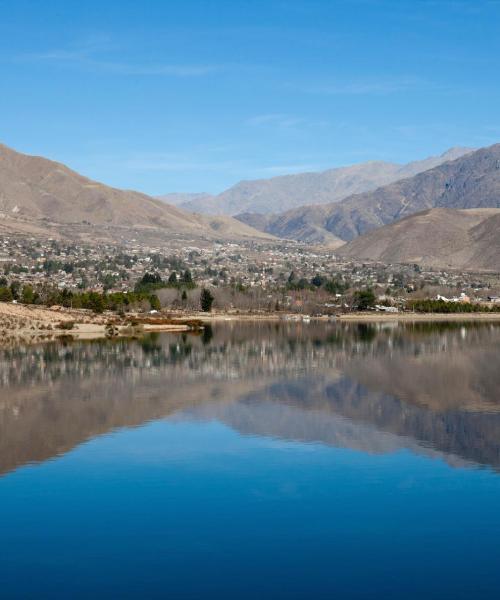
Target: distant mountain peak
{"points": [[286, 192], [471, 180]]}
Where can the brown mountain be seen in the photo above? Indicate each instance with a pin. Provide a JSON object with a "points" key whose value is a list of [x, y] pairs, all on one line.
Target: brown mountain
{"points": [[444, 237], [471, 181], [35, 192], [278, 194]]}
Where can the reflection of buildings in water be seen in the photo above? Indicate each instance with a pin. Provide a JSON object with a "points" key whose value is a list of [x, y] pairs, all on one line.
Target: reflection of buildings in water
{"points": [[373, 389], [241, 350]]}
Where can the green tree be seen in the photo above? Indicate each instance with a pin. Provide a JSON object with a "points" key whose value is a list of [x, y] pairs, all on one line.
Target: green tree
{"points": [[364, 299], [335, 286], [15, 288], [187, 277], [96, 302], [154, 302], [172, 280], [28, 295], [206, 300], [317, 280], [148, 282], [148, 278], [5, 294]]}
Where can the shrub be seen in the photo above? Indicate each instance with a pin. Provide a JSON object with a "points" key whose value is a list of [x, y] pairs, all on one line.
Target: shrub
{"points": [[5, 294], [206, 300], [364, 299]]}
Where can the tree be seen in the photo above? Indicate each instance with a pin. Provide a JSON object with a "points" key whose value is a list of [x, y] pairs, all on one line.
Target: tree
{"points": [[206, 300], [335, 286], [15, 288], [149, 281], [364, 299], [317, 280], [154, 302], [5, 294], [108, 281], [96, 302], [149, 278], [28, 296], [187, 277], [172, 280]]}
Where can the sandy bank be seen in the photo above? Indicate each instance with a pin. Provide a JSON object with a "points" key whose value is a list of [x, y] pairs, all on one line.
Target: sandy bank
{"points": [[24, 324], [347, 317]]}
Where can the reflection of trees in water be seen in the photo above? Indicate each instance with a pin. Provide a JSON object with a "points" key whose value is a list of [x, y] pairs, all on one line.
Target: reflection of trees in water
{"points": [[240, 350], [207, 334], [431, 385]]}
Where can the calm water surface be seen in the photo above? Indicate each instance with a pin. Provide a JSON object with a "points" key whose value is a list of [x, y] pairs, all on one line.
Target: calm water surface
{"points": [[254, 461]]}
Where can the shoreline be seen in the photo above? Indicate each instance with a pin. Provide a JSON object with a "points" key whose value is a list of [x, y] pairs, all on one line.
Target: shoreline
{"points": [[28, 324], [346, 317], [419, 317]]}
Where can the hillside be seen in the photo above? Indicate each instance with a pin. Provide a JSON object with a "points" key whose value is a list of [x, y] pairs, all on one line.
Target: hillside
{"points": [[440, 237], [471, 181], [36, 192], [278, 194]]}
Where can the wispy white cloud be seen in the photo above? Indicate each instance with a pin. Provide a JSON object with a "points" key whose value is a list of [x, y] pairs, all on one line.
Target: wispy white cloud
{"points": [[171, 162], [89, 55], [176, 166], [368, 87], [201, 162], [275, 119], [174, 70]]}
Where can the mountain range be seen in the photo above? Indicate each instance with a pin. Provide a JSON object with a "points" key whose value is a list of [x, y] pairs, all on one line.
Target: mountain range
{"points": [[38, 195], [439, 237], [278, 194], [471, 181], [441, 216]]}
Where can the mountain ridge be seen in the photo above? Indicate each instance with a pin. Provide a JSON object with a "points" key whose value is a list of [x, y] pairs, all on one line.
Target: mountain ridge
{"points": [[285, 192], [437, 237], [470, 181], [37, 190]]}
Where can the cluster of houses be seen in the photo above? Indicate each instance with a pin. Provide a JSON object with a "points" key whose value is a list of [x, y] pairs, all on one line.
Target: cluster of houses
{"points": [[251, 265]]}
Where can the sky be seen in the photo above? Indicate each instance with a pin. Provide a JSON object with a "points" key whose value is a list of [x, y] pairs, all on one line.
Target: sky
{"points": [[196, 95]]}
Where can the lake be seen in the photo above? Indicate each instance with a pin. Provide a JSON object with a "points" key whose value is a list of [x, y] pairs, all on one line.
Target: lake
{"points": [[264, 460]]}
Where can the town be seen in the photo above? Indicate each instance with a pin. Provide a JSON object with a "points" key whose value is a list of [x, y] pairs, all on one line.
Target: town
{"points": [[244, 276]]}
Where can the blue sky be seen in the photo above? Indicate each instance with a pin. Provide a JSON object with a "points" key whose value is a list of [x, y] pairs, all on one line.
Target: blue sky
{"points": [[196, 95]]}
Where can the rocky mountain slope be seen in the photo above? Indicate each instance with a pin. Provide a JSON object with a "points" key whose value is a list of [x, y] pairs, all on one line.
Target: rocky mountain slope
{"points": [[471, 181], [444, 237], [35, 191], [278, 194]]}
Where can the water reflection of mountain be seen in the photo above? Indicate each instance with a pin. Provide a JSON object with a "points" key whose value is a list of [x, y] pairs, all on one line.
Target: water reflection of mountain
{"points": [[431, 388]]}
